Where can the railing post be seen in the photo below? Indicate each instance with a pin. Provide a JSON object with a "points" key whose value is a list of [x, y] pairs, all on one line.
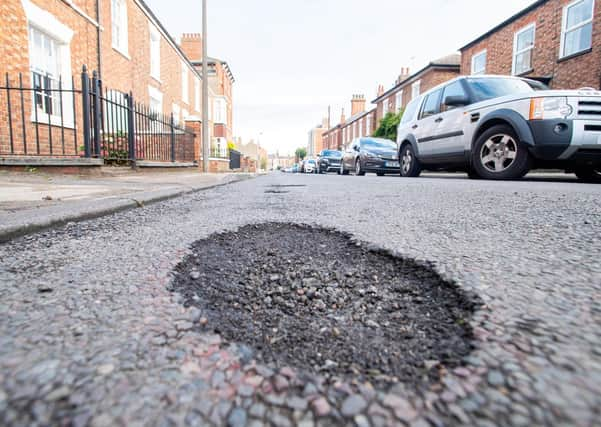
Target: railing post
{"points": [[85, 97], [131, 130], [97, 115], [172, 139]]}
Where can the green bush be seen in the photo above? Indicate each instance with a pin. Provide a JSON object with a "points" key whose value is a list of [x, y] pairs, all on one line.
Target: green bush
{"points": [[388, 126]]}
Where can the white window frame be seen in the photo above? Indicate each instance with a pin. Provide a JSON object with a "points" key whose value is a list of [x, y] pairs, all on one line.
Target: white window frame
{"points": [[474, 57], [517, 52], [44, 22], [185, 84], [157, 95], [565, 31], [197, 95], [399, 101], [385, 108], [220, 114], [176, 111], [155, 52], [119, 13], [416, 89]]}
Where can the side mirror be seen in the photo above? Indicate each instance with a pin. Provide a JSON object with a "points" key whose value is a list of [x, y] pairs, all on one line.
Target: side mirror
{"points": [[356, 148], [456, 101]]}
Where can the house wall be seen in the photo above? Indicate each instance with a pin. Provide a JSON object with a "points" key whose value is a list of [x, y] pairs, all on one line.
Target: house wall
{"points": [[578, 71], [429, 78], [120, 72]]}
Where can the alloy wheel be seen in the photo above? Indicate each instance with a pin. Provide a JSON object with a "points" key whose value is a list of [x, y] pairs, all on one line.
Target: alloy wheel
{"points": [[406, 161], [498, 153]]}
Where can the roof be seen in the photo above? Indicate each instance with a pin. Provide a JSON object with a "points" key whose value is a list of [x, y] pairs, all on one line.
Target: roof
{"points": [[508, 21], [170, 39], [452, 62], [223, 63], [357, 117]]}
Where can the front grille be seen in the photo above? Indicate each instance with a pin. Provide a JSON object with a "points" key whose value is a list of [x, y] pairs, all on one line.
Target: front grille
{"points": [[589, 107]]}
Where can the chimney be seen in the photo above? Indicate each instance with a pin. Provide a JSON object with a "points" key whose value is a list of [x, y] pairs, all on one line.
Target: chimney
{"points": [[357, 104], [342, 118], [380, 90], [404, 74], [191, 44]]}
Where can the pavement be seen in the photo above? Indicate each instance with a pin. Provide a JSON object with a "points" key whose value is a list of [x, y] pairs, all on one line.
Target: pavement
{"points": [[31, 201], [90, 333]]}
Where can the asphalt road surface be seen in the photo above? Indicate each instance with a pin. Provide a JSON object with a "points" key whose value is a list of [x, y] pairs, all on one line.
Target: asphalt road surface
{"points": [[90, 334]]}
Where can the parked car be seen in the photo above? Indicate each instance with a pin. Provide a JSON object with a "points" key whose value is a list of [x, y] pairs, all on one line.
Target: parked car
{"points": [[500, 127], [329, 161], [295, 168], [310, 166], [370, 155]]}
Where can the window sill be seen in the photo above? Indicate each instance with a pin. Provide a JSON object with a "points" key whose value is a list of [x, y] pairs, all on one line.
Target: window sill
{"points": [[122, 52], [524, 73], [575, 55], [55, 121]]}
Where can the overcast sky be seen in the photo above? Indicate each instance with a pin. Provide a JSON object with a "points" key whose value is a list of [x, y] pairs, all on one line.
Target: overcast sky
{"points": [[293, 58]]}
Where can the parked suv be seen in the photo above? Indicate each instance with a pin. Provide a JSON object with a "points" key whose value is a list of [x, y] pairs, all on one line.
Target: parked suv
{"points": [[329, 161], [500, 127]]}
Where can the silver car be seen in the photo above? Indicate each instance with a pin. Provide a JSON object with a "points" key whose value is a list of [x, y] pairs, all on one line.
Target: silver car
{"points": [[500, 127]]}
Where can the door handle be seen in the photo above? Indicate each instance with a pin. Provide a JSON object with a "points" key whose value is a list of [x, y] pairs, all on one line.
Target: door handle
{"points": [[438, 120], [414, 127]]}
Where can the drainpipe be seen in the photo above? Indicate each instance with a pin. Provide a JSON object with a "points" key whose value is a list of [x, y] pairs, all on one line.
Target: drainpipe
{"points": [[98, 40]]}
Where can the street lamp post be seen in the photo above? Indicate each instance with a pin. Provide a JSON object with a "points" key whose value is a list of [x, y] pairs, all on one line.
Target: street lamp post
{"points": [[205, 92]]}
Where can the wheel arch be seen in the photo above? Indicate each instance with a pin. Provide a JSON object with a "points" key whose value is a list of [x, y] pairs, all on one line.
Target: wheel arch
{"points": [[409, 139], [505, 117]]}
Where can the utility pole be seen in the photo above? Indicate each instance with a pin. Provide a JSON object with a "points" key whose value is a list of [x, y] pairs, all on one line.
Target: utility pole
{"points": [[205, 92]]}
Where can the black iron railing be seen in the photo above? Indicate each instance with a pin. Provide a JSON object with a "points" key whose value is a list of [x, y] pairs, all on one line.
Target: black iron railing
{"points": [[42, 118]]}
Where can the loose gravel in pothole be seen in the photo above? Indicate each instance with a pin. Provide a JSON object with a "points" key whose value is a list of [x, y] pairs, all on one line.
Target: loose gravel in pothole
{"points": [[316, 300]]}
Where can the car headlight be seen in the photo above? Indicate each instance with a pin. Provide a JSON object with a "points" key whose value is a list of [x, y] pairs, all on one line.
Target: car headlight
{"points": [[550, 108], [373, 156]]}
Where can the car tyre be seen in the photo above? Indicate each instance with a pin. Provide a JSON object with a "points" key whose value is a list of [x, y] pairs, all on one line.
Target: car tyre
{"points": [[342, 170], [471, 174], [589, 174], [410, 166], [358, 169], [499, 154]]}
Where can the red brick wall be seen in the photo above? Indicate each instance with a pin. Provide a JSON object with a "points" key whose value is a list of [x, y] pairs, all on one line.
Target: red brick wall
{"points": [[119, 72], [579, 71], [429, 79]]}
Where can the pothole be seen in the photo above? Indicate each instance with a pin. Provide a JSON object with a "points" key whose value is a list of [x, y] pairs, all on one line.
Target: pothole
{"points": [[313, 299]]}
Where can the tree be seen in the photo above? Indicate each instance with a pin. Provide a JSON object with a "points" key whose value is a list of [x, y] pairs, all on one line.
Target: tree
{"points": [[301, 153], [388, 126]]}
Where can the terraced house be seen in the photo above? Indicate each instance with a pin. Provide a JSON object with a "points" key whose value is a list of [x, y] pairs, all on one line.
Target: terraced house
{"points": [[557, 42], [146, 84]]}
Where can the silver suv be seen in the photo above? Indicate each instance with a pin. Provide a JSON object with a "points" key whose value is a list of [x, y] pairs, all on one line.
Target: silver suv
{"points": [[500, 127]]}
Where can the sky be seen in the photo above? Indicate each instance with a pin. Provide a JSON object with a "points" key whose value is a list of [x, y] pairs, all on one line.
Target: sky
{"points": [[293, 58]]}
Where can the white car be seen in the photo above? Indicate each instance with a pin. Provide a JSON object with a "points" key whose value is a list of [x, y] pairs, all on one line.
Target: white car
{"points": [[310, 166], [500, 127]]}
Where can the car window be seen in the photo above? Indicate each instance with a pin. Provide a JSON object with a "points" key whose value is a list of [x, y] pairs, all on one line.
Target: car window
{"points": [[454, 89], [378, 143], [489, 88], [431, 105], [331, 153], [410, 110]]}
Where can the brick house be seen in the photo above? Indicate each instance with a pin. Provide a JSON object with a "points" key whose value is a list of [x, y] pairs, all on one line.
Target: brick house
{"points": [[409, 86], [221, 82], [49, 41], [316, 143], [554, 41], [361, 123], [332, 138]]}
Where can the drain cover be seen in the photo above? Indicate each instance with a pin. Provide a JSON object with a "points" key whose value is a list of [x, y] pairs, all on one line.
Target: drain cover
{"points": [[313, 299]]}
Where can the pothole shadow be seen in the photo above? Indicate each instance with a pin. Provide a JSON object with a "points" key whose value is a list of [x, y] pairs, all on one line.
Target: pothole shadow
{"points": [[316, 300]]}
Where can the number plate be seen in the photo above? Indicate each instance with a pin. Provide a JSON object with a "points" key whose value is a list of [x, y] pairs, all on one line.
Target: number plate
{"points": [[599, 139], [392, 164]]}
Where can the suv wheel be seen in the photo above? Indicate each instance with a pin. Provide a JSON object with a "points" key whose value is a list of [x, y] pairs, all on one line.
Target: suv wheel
{"points": [[498, 154], [342, 170], [358, 169], [589, 174], [410, 166]]}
